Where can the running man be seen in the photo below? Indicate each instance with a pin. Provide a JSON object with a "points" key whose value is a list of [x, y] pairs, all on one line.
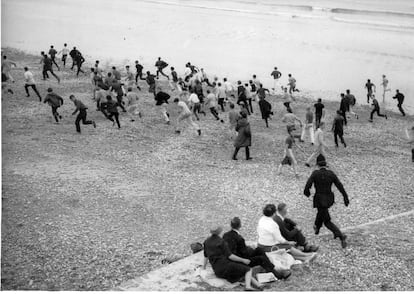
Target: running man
{"points": [[261, 92], [276, 76], [371, 88], [162, 101], [229, 88], [194, 103], [338, 128], [160, 65], [81, 108], [308, 127], [344, 107], [6, 66], [47, 67], [221, 95], [185, 115], [400, 98], [385, 88], [292, 84], [79, 60], [117, 88], [266, 110], [211, 103], [30, 82], [130, 79], [73, 53], [288, 156], [52, 53], [352, 102], [319, 143], [150, 79], [139, 68], [132, 104], [65, 52], [376, 109], [112, 110], [289, 118], [55, 101], [174, 82], [319, 107]]}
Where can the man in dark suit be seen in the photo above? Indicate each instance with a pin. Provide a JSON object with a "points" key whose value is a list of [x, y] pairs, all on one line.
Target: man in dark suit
{"points": [[256, 256], [290, 230], [323, 199]]}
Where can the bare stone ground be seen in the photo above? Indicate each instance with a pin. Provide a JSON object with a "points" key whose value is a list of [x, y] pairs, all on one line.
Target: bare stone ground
{"points": [[90, 211]]}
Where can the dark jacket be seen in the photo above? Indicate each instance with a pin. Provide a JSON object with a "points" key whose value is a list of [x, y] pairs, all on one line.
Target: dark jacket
{"points": [[265, 108], [399, 97], [344, 106], [161, 98], [286, 227], [323, 180], [236, 244], [54, 100], [338, 124], [112, 106], [244, 136]]}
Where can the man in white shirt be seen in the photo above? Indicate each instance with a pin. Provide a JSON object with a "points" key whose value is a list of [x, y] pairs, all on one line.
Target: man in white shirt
{"points": [[319, 143], [194, 103], [211, 103], [65, 52], [229, 88], [185, 115], [256, 81], [270, 237], [6, 66], [292, 84], [132, 104], [221, 95], [385, 87], [30, 82]]}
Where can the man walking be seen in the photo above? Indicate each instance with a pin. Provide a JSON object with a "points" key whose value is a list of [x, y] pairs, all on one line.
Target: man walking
{"points": [[400, 98], [338, 128], [55, 101], [323, 199], [318, 112], [30, 82], [319, 143]]}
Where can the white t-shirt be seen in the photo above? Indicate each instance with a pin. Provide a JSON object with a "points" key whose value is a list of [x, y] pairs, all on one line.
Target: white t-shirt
{"points": [[269, 232], [211, 100], [184, 108], [193, 98], [65, 51], [221, 93], [228, 86], [28, 76], [132, 98]]}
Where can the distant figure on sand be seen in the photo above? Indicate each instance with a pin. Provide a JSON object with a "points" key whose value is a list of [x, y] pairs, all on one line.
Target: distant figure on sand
{"points": [[55, 101], [323, 179], [318, 112], [162, 102], [185, 116], [344, 107], [112, 110], [376, 109], [338, 128], [244, 136], [288, 157], [73, 53], [52, 53], [160, 65], [308, 126], [65, 52], [138, 74], [370, 89], [292, 84], [276, 76], [385, 88], [352, 102], [47, 67], [81, 108], [30, 82], [319, 144], [151, 83], [400, 98], [6, 66]]}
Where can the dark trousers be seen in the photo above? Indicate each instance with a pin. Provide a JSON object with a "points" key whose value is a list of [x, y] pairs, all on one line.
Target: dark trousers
{"points": [[221, 103], [26, 87], [116, 115], [249, 105], [196, 110], [54, 61], [55, 113], [73, 63], [81, 117], [412, 154], [64, 59], [318, 118], [400, 108], [159, 71], [299, 238], [138, 75], [376, 110], [341, 137], [121, 104], [344, 116], [214, 112], [237, 151], [323, 218], [45, 74], [79, 65]]}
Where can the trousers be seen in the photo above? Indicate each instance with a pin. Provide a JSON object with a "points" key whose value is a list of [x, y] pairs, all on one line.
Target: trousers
{"points": [[323, 218]]}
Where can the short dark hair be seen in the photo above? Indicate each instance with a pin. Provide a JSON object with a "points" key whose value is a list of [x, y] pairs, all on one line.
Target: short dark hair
{"points": [[235, 223], [281, 206], [269, 210], [176, 100]]}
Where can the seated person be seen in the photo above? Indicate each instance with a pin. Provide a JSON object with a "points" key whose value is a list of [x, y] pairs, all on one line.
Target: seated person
{"points": [[225, 264], [289, 229], [271, 239], [256, 256]]}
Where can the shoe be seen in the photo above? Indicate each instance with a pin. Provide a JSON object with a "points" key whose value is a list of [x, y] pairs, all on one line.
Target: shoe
{"points": [[386, 117], [168, 115], [282, 274], [370, 120], [94, 124], [343, 241], [178, 132], [222, 121], [316, 230], [199, 132], [234, 158], [345, 145], [307, 164], [27, 95], [60, 117]]}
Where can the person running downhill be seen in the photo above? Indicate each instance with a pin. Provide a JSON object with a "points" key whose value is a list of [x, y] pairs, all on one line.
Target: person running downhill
{"points": [[55, 101], [30, 82], [81, 108]]}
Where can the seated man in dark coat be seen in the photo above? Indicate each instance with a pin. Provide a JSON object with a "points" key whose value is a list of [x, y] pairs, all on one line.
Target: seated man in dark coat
{"points": [[256, 256], [289, 229]]}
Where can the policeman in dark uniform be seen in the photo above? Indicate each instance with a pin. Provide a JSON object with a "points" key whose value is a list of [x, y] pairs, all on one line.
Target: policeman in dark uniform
{"points": [[324, 197]]}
